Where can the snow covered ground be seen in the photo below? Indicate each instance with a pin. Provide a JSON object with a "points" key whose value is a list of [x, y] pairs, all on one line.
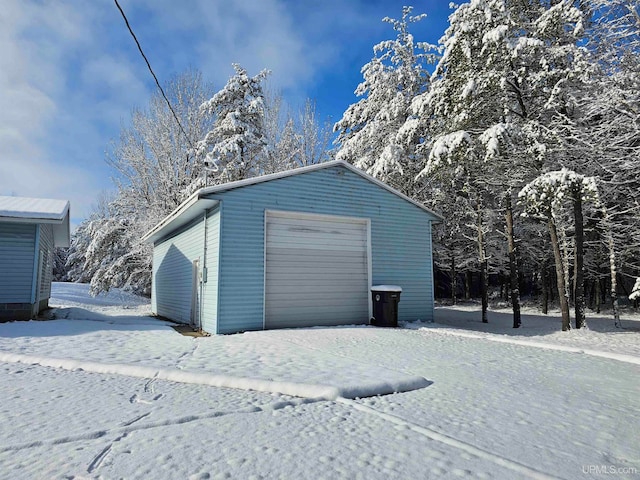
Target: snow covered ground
{"points": [[105, 391], [601, 337]]}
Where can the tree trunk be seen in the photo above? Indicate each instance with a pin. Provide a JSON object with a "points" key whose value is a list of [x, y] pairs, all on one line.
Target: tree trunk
{"points": [[612, 268], [545, 289], [598, 295], [513, 265], [454, 278], [506, 287], [467, 284], [484, 279], [578, 293], [564, 242], [484, 289], [560, 277], [614, 293]]}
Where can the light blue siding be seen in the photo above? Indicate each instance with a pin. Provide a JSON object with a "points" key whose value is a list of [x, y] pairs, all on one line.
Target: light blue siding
{"points": [[400, 240], [173, 271], [17, 247], [210, 287], [46, 251]]}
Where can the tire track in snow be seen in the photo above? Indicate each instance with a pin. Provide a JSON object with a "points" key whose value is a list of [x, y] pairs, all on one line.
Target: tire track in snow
{"points": [[128, 427], [452, 442], [136, 419], [148, 387], [147, 391], [99, 459]]}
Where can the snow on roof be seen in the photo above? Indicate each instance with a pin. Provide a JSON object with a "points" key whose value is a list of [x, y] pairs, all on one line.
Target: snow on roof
{"points": [[39, 210], [196, 199], [33, 208]]}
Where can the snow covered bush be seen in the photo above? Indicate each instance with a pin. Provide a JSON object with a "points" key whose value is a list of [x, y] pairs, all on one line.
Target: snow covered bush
{"points": [[635, 291]]}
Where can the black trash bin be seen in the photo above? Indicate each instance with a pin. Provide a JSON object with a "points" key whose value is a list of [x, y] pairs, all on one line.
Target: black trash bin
{"points": [[385, 305]]}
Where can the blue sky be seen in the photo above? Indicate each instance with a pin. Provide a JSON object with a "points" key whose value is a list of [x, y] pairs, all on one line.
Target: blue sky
{"points": [[70, 73]]}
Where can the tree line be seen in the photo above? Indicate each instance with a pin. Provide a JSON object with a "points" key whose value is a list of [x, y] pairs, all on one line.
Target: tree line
{"points": [[522, 127]]}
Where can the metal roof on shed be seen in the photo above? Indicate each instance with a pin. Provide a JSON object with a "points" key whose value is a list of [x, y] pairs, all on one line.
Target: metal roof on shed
{"points": [[38, 210]]}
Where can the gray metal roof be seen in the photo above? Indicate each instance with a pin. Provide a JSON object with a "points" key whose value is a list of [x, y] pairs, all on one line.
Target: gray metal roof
{"points": [[39, 210]]}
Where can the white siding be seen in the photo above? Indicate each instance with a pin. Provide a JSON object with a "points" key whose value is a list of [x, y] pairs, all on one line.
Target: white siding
{"points": [[316, 270]]}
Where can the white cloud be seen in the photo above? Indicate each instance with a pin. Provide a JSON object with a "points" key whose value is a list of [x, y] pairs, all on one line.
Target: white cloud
{"points": [[24, 106], [256, 34], [111, 87], [50, 143]]}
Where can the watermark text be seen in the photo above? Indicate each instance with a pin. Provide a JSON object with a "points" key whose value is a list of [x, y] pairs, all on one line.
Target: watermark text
{"points": [[609, 470]]}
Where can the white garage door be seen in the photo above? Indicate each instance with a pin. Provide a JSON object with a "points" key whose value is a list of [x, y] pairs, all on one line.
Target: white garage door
{"points": [[316, 270]]}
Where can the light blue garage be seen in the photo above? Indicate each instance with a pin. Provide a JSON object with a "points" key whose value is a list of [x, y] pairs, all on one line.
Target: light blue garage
{"points": [[294, 249]]}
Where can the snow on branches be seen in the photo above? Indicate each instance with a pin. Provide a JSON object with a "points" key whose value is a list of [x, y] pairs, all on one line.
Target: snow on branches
{"points": [[237, 139], [521, 88], [543, 197], [370, 131], [444, 148]]}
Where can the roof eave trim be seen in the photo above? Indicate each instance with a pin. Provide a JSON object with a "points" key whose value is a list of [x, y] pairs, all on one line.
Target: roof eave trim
{"points": [[170, 222]]}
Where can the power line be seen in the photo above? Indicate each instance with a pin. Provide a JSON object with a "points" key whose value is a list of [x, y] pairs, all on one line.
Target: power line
{"points": [[153, 74]]}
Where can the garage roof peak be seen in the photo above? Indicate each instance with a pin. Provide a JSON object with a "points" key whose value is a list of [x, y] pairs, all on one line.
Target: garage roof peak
{"points": [[198, 202]]}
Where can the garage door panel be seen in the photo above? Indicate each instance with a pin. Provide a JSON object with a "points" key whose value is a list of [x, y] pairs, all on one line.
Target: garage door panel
{"points": [[316, 232], [306, 306], [316, 270], [305, 313], [315, 235], [284, 292], [314, 279], [330, 243], [318, 223], [307, 267], [308, 235], [316, 256], [325, 286]]}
